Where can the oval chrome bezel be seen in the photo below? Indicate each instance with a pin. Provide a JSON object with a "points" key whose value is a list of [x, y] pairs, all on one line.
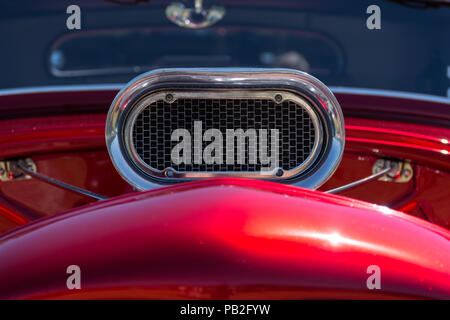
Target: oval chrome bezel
{"points": [[276, 80]]}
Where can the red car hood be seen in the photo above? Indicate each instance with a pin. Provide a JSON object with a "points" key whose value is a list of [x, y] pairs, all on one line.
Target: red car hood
{"points": [[227, 239]]}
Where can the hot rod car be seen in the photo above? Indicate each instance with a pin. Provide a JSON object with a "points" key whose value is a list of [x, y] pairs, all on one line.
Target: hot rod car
{"points": [[224, 150]]}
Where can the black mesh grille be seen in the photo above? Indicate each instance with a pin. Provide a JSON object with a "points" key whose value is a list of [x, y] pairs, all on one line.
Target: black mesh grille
{"points": [[154, 126]]}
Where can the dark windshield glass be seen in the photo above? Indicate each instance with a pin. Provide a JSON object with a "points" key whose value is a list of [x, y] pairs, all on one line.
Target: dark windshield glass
{"points": [[339, 42]]}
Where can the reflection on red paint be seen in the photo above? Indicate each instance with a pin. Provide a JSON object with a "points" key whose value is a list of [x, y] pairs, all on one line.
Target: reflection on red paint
{"points": [[254, 238], [397, 144], [12, 216], [397, 132]]}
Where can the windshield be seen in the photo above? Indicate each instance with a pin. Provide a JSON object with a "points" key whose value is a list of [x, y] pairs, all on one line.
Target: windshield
{"points": [[389, 45]]}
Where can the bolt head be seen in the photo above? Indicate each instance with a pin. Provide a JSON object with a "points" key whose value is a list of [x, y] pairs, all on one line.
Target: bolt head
{"points": [[169, 173], [169, 97]]}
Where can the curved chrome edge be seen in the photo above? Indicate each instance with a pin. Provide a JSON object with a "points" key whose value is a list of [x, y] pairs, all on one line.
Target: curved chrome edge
{"points": [[239, 78]]}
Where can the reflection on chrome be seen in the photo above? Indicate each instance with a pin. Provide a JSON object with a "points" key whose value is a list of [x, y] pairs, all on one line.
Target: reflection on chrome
{"points": [[194, 18]]}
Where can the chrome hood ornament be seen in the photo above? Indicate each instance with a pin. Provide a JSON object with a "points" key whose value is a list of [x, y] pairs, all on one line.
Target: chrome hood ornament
{"points": [[194, 18]]}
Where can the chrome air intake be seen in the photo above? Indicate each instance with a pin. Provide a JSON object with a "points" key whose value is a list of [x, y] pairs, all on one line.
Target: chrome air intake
{"points": [[174, 125], [154, 124]]}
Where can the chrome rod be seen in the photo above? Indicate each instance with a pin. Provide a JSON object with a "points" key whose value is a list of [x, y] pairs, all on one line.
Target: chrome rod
{"points": [[57, 183], [361, 181]]}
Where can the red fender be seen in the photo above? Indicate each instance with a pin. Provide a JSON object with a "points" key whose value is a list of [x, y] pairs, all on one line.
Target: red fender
{"points": [[227, 239]]}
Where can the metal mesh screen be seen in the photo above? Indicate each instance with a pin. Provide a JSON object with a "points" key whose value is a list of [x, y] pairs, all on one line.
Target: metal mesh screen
{"points": [[154, 126]]}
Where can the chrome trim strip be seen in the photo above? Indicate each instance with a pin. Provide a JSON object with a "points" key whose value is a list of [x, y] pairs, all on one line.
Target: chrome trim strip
{"points": [[215, 94], [391, 94], [360, 181], [119, 86], [22, 165], [231, 79], [65, 88]]}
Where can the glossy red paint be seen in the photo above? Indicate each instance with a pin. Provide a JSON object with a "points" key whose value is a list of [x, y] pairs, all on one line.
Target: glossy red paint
{"points": [[423, 144], [90, 169], [12, 216], [51, 134], [72, 148], [227, 238], [56, 103], [395, 109]]}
